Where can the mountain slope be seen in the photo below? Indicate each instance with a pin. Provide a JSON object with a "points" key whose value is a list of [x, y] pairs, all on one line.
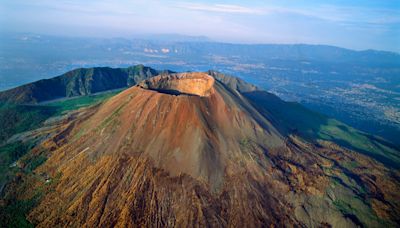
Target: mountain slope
{"points": [[296, 119], [193, 149], [83, 81]]}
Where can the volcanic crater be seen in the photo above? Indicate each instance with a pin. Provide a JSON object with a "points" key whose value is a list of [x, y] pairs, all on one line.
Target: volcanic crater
{"points": [[185, 149], [194, 84]]}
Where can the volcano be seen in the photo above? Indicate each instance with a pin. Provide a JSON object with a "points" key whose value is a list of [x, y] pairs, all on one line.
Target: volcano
{"points": [[199, 149]]}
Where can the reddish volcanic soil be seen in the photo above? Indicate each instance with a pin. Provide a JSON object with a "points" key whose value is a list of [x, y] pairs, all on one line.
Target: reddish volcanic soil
{"points": [[189, 150]]}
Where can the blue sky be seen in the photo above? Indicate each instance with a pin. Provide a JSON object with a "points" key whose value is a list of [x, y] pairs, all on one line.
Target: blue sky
{"points": [[357, 24]]}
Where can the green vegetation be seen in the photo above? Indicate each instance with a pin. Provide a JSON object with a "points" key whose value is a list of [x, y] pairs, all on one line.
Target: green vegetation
{"points": [[14, 213], [245, 143], [350, 165], [351, 199], [25, 195], [293, 118], [35, 162], [78, 82], [15, 119], [342, 134], [358, 211], [14, 209], [19, 118], [9, 154], [66, 105]]}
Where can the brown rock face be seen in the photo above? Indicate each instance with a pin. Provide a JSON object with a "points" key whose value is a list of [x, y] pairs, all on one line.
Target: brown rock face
{"points": [[189, 150], [199, 84]]}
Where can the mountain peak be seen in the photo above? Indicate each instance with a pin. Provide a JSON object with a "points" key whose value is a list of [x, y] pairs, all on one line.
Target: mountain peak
{"points": [[202, 149]]}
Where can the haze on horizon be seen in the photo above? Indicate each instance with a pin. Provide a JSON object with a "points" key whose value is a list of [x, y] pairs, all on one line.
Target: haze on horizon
{"points": [[370, 24]]}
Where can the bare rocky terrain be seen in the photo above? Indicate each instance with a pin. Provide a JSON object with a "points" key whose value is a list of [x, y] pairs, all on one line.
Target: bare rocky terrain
{"points": [[199, 149]]}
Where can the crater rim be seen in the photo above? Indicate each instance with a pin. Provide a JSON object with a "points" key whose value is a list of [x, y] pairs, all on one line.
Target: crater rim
{"points": [[190, 84]]}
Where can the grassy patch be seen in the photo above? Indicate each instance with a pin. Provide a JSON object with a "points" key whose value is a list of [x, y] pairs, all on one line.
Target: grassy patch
{"points": [[14, 213], [343, 206], [245, 143], [24, 193], [351, 165], [358, 211], [15, 119], [342, 134], [9, 154], [35, 162], [65, 105], [19, 118]]}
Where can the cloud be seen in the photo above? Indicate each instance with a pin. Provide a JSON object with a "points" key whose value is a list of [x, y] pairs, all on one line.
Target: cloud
{"points": [[330, 13], [219, 8], [343, 14], [104, 7], [348, 25]]}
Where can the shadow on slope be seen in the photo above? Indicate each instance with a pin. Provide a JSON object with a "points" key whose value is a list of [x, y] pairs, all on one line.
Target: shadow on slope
{"points": [[293, 118], [19, 118]]}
